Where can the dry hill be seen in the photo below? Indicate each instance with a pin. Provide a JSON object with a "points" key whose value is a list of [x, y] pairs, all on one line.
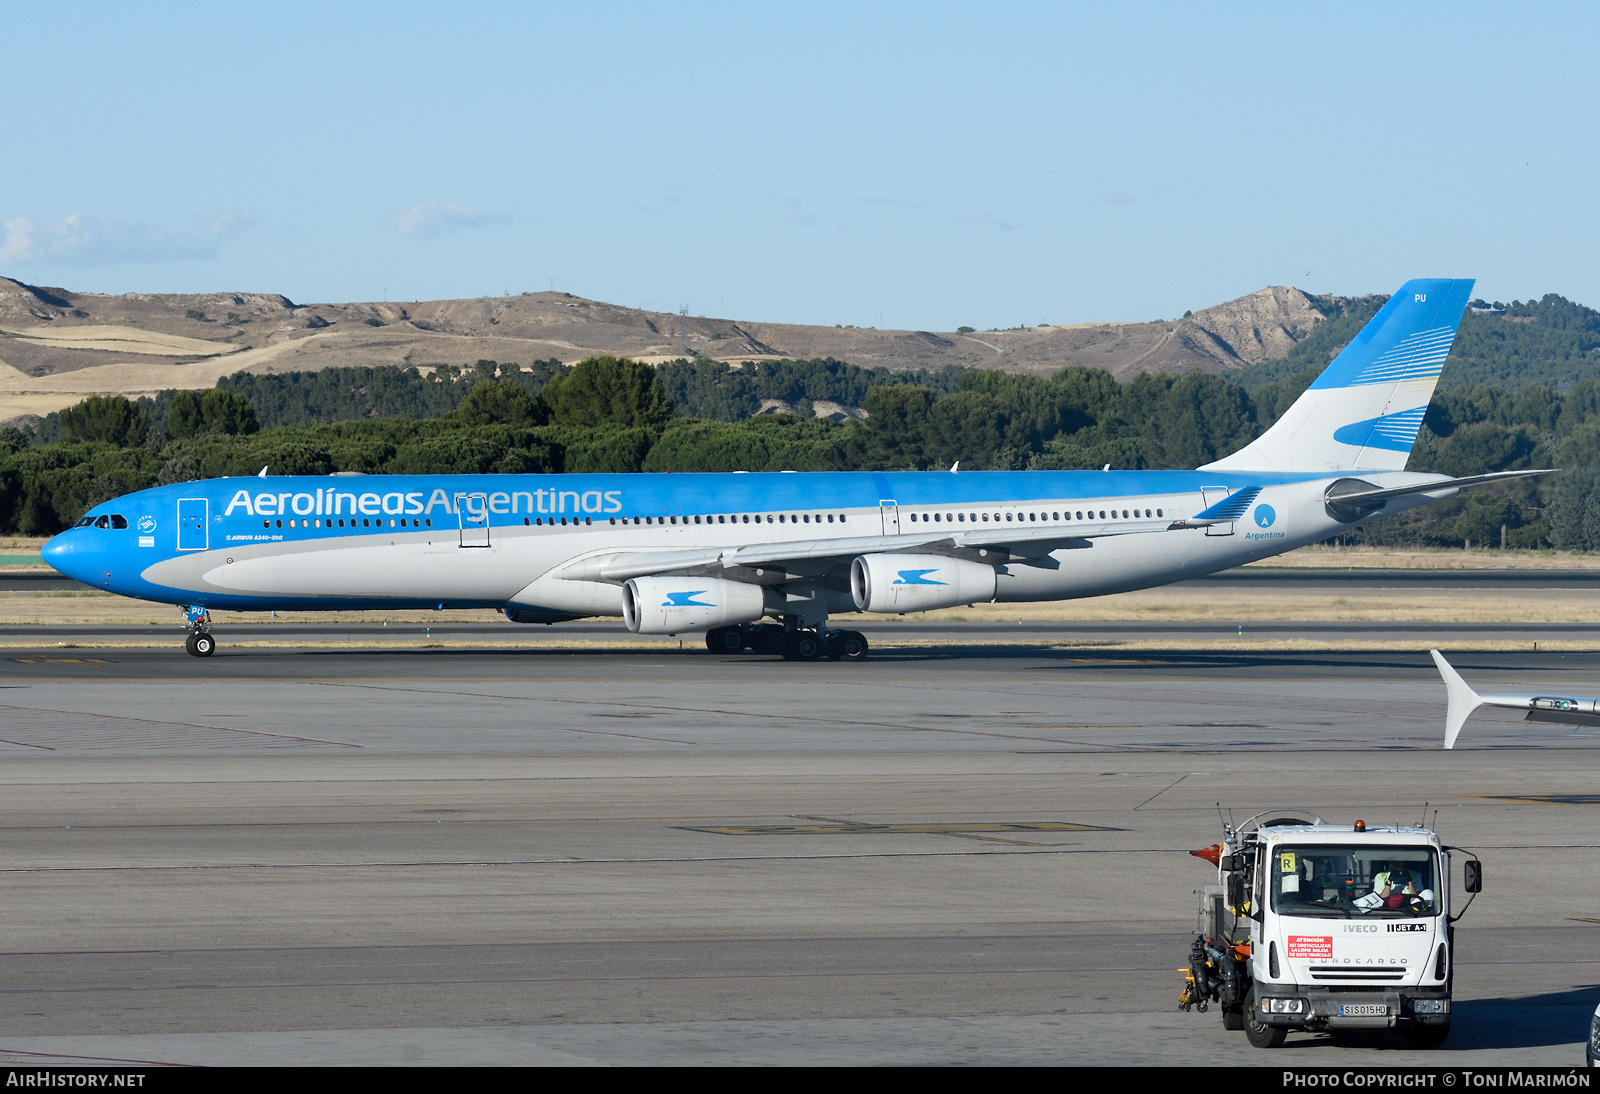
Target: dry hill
{"points": [[58, 346]]}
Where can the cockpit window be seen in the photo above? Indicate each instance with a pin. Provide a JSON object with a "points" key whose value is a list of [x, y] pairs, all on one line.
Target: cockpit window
{"points": [[118, 520], [1352, 882], [102, 521]]}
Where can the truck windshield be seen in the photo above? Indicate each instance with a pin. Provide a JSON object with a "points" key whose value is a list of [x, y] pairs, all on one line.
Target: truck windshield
{"points": [[1352, 882]]}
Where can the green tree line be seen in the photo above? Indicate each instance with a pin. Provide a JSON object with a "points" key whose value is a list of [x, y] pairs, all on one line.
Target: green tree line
{"points": [[610, 414]]}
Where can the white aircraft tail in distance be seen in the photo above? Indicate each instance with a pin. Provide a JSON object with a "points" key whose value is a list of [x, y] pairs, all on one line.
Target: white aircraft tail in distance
{"points": [[770, 560], [1462, 700]]}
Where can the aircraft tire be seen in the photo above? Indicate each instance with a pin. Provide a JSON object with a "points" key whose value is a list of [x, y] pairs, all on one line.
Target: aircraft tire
{"points": [[201, 645], [725, 640], [846, 646], [853, 646], [802, 646], [768, 638]]}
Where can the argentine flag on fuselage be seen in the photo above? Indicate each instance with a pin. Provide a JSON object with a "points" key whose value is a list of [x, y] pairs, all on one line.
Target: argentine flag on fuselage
{"points": [[1364, 411]]}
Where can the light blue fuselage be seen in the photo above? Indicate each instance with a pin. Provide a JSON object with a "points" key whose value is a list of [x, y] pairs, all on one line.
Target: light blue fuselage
{"points": [[519, 541]]}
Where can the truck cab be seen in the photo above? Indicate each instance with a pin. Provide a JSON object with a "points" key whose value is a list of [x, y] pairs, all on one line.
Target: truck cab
{"points": [[1332, 927]]}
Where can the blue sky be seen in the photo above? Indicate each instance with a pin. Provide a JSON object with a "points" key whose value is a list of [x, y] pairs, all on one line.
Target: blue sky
{"points": [[913, 166]]}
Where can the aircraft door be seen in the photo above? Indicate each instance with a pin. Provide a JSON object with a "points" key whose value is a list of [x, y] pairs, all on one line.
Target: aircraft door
{"points": [[890, 510], [472, 510], [193, 531], [1212, 495]]}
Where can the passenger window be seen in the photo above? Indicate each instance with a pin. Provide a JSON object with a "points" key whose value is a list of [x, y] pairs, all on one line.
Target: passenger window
{"points": [[1033, 516], [841, 518], [1008, 518], [1158, 512], [268, 523], [830, 518], [428, 523]]}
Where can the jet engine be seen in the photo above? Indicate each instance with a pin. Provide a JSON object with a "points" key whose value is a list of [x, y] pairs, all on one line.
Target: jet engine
{"points": [[917, 583], [675, 605]]}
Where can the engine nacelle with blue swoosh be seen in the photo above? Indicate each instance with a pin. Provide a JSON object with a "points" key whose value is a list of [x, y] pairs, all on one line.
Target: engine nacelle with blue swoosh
{"points": [[918, 583], [682, 605]]}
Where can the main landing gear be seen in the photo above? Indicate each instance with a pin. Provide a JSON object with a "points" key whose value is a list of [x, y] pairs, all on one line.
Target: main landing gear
{"points": [[799, 644], [199, 643]]}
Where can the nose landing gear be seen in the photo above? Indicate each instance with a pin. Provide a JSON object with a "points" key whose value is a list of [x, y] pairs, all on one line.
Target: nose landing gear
{"points": [[199, 642]]}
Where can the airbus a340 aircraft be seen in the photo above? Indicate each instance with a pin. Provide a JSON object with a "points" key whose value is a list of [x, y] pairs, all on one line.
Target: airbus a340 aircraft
{"points": [[720, 553]]}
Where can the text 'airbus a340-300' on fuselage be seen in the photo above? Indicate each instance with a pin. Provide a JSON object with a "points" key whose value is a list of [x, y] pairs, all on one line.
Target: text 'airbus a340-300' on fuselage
{"points": [[766, 561]]}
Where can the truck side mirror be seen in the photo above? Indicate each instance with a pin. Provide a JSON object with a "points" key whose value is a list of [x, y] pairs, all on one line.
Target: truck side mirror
{"points": [[1472, 876], [1236, 895]]}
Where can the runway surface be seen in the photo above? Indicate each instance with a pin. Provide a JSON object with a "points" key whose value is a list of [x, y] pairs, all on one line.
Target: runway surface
{"points": [[961, 852]]}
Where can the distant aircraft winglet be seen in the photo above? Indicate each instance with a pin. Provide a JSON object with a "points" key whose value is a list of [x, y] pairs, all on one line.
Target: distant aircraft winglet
{"points": [[1562, 709]]}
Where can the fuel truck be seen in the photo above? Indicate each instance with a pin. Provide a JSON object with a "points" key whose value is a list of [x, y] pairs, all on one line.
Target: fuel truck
{"points": [[1328, 927]]}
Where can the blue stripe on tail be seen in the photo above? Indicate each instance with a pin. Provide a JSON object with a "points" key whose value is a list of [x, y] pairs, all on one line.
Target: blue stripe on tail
{"points": [[1407, 340]]}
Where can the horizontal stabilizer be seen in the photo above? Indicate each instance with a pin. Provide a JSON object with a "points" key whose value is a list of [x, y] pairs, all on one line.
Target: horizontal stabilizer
{"points": [[1412, 489]]}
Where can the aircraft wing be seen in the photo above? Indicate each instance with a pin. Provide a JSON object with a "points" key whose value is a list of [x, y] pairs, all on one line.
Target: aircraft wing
{"points": [[1018, 542]]}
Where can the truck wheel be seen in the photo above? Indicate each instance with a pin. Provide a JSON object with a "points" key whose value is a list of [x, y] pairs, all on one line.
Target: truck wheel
{"points": [[1426, 1036], [1257, 1032]]}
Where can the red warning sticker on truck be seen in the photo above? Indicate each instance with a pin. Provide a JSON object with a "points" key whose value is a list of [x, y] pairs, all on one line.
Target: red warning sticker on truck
{"points": [[1310, 945]]}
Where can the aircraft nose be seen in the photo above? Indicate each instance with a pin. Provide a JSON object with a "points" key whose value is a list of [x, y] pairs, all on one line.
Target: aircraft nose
{"points": [[61, 553]]}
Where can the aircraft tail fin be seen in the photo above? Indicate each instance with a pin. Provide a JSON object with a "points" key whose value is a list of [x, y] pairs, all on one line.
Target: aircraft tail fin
{"points": [[1463, 700], [1364, 411]]}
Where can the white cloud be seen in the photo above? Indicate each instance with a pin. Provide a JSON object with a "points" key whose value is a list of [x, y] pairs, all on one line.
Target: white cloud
{"points": [[78, 240], [433, 218], [228, 222]]}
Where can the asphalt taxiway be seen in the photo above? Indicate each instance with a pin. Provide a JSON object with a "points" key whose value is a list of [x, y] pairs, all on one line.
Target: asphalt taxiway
{"points": [[961, 851]]}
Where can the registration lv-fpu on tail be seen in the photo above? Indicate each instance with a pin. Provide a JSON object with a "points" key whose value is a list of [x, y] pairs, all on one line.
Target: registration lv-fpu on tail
{"points": [[768, 561]]}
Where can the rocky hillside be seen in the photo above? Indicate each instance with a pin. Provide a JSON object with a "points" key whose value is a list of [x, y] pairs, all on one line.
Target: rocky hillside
{"points": [[57, 346]]}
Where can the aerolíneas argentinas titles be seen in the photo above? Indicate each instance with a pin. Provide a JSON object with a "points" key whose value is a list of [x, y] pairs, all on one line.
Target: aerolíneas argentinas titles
{"points": [[673, 554]]}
